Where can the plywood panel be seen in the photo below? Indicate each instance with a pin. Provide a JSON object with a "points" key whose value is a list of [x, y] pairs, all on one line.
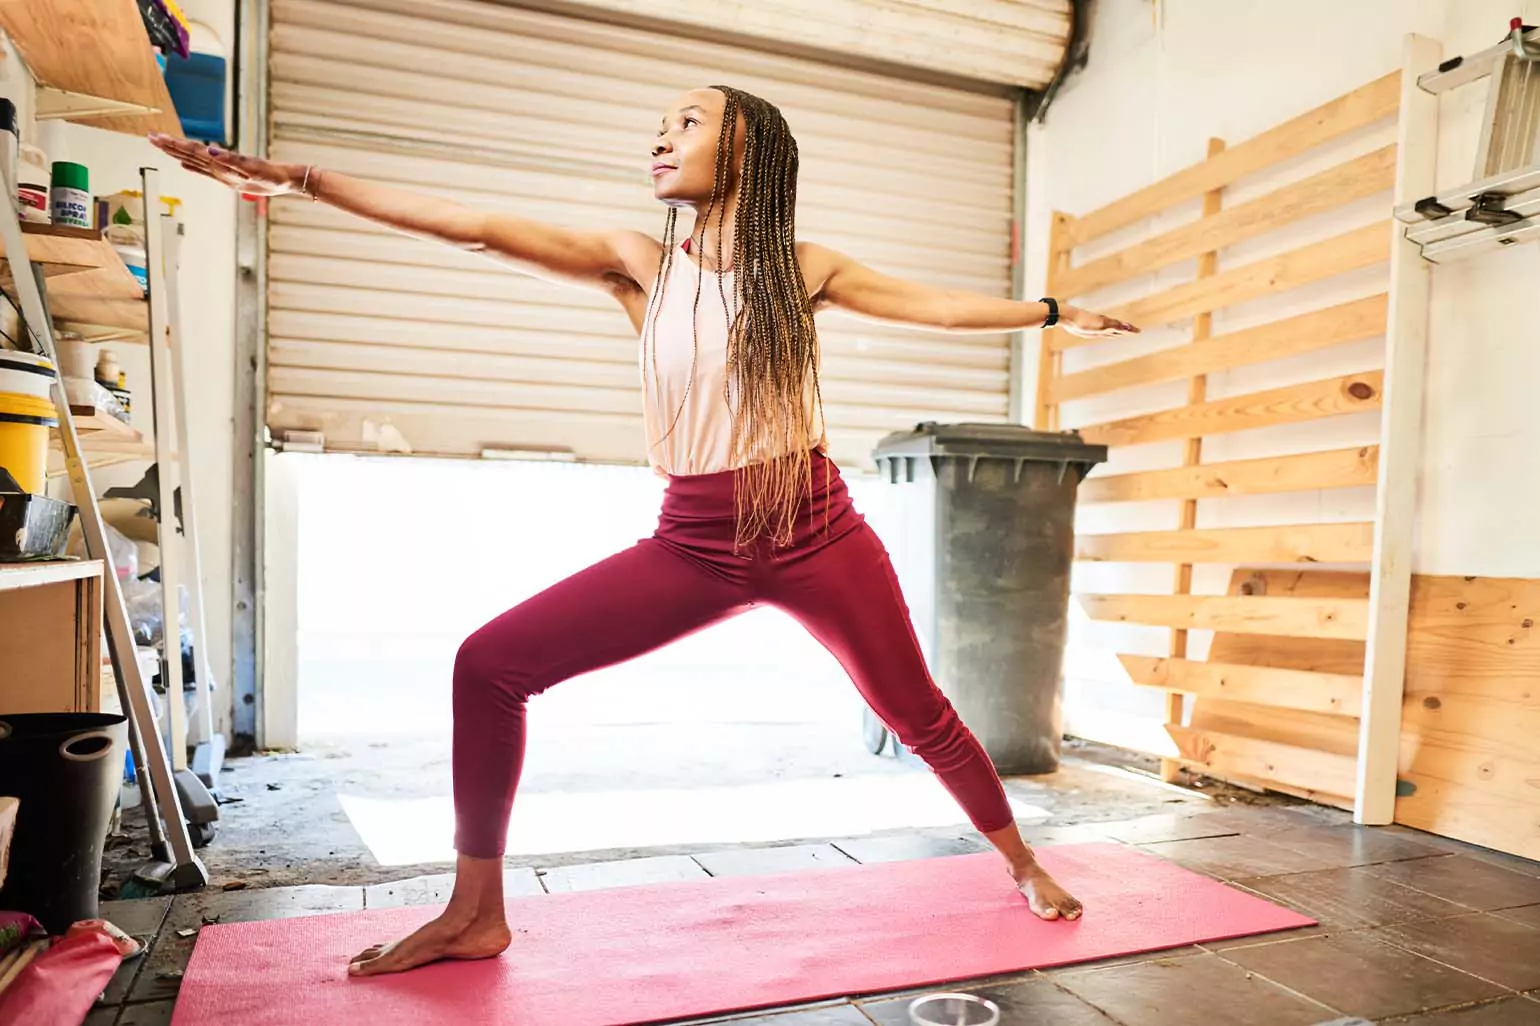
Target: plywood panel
{"points": [[1470, 763]]}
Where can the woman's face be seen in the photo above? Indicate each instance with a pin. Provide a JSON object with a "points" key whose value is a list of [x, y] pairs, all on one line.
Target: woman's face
{"points": [[684, 154]]}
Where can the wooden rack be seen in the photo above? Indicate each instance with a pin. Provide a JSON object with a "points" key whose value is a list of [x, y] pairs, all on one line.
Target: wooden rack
{"points": [[93, 64], [1284, 699], [86, 275]]}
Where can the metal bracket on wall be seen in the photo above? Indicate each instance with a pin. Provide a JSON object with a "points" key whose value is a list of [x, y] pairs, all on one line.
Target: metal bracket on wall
{"points": [[301, 441], [1500, 205]]}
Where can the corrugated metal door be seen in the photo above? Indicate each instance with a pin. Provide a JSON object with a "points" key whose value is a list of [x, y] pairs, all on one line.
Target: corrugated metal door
{"points": [[386, 343]]}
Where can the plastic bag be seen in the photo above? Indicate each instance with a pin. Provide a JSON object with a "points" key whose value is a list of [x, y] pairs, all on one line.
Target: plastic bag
{"points": [[125, 553]]}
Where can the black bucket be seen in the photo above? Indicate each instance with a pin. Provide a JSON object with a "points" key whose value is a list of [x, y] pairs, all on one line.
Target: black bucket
{"points": [[65, 768]]}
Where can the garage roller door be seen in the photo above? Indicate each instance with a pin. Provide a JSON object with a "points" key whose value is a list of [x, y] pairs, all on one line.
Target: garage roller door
{"points": [[385, 343]]}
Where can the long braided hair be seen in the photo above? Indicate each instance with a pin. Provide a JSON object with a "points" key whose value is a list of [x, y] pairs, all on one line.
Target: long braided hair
{"points": [[772, 383]]}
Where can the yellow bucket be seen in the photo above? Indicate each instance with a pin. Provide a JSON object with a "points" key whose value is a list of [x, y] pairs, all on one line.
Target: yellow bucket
{"points": [[24, 424]]}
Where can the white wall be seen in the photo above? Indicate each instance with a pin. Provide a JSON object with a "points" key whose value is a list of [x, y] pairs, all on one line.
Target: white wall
{"points": [[208, 318], [1163, 78]]}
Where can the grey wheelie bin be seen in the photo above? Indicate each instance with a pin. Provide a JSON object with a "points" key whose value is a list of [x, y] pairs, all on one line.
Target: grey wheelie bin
{"points": [[982, 541]]}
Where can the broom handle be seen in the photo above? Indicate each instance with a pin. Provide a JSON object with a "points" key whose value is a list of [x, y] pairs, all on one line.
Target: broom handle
{"points": [[22, 958]]}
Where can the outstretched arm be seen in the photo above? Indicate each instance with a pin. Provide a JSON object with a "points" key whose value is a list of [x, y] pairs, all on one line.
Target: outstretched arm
{"points": [[608, 260], [835, 279]]}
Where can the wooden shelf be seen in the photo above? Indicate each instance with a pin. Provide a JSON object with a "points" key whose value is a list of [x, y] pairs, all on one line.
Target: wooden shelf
{"points": [[102, 427], [96, 50], [105, 435], [90, 288], [31, 575]]}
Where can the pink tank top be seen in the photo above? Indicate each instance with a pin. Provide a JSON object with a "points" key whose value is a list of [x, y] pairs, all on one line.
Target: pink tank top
{"points": [[687, 412]]}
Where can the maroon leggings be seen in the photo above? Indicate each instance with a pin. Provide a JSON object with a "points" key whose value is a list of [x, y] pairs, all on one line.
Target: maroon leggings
{"points": [[835, 578]]}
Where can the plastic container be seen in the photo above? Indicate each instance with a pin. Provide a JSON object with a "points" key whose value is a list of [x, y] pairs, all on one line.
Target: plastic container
{"points": [[953, 1010], [25, 374], [32, 184], [76, 358], [984, 546], [24, 424], [65, 768], [136, 261], [70, 194]]}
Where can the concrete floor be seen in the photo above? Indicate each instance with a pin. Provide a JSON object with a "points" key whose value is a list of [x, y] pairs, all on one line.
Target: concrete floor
{"points": [[1414, 929], [286, 825]]}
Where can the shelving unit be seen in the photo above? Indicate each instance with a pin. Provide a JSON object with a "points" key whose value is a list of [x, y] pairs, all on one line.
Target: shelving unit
{"points": [[53, 612], [91, 291], [93, 64]]}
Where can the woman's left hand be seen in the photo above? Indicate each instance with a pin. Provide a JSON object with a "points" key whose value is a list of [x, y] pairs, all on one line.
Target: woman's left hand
{"points": [[1092, 325]]}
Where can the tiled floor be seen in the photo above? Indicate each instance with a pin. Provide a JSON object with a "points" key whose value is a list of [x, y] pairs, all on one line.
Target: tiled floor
{"points": [[1415, 930]]}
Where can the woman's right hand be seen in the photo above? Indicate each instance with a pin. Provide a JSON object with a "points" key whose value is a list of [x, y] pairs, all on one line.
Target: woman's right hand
{"points": [[250, 175]]}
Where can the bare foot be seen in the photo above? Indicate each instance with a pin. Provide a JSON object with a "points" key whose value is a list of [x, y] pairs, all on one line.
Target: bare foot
{"points": [[445, 937], [1044, 895]]}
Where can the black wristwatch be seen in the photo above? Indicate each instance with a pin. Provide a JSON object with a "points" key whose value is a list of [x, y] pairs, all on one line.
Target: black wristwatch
{"points": [[1053, 311]]}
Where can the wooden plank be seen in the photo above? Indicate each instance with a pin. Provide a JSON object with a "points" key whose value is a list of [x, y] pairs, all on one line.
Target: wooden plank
{"points": [[1340, 468], [1143, 734], [95, 47], [1288, 543], [14, 576], [1406, 346], [1350, 251], [1228, 755], [1337, 186], [1314, 655], [1290, 617], [1197, 391], [1331, 397], [8, 809], [1468, 812], [1475, 636], [1320, 329], [1364, 106], [1302, 728], [1440, 717], [1261, 685], [98, 318], [1049, 362], [1468, 762]]}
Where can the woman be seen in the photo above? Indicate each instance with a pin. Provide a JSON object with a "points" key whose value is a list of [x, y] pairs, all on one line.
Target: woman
{"points": [[754, 511]]}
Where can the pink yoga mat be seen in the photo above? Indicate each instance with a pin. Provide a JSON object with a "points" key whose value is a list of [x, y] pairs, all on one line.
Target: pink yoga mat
{"points": [[678, 950]]}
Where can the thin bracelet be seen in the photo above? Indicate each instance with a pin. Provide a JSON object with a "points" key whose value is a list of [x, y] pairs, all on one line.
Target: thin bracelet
{"points": [[304, 186]]}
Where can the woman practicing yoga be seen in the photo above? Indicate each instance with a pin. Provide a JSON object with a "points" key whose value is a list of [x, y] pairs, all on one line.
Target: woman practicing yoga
{"points": [[754, 512]]}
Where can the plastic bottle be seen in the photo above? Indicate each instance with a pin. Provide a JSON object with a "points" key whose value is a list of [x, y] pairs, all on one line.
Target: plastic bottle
{"points": [[32, 184]]}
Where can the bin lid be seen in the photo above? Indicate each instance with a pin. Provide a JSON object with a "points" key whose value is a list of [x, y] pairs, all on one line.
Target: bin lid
{"points": [[1006, 441]]}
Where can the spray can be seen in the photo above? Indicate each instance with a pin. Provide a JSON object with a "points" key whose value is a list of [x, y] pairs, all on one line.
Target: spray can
{"points": [[71, 194]]}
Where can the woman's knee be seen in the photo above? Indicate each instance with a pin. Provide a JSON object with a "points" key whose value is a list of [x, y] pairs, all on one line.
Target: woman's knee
{"points": [[488, 661]]}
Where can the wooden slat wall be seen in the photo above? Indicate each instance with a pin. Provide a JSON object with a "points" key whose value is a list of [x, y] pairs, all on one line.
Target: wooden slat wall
{"points": [[1296, 269]]}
